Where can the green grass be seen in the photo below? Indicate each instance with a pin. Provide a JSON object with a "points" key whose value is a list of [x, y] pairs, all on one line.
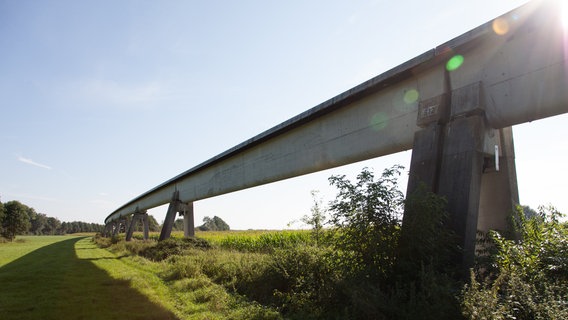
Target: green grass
{"points": [[69, 277], [60, 277], [248, 240]]}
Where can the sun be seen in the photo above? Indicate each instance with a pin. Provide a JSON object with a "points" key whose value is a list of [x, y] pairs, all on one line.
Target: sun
{"points": [[564, 13]]}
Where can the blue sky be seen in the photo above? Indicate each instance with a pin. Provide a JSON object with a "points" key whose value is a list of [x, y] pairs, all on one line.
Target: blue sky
{"points": [[103, 100]]}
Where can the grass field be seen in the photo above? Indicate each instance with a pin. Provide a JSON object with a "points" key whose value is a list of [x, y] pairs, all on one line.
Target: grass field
{"points": [[60, 277], [247, 240], [70, 277]]}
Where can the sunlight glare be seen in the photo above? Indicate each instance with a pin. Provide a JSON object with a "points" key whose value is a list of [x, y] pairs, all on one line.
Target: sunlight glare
{"points": [[411, 96], [564, 14]]}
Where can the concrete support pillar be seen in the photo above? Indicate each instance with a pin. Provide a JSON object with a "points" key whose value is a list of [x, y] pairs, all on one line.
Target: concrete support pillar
{"points": [[122, 225], [186, 210], [106, 232], [499, 190], [456, 156], [460, 179], [131, 227], [188, 221], [116, 227], [146, 226], [136, 217], [170, 217]]}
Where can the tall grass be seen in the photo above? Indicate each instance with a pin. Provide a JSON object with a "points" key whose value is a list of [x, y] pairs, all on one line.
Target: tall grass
{"points": [[247, 240], [264, 242]]}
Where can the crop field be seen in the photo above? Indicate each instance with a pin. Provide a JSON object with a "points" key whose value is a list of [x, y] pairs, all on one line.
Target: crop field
{"points": [[246, 240]]}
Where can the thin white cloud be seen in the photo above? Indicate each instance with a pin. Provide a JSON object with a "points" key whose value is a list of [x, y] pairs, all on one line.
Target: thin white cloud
{"points": [[102, 91], [16, 196], [33, 163]]}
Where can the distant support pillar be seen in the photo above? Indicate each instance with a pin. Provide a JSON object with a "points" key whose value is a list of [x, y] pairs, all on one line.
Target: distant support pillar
{"points": [[136, 217], [170, 217], [185, 209], [456, 155], [116, 227], [106, 230], [188, 220]]}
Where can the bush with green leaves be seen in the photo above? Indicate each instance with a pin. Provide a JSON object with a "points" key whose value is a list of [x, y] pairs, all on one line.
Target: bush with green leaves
{"points": [[366, 217], [172, 246], [527, 275], [15, 220]]}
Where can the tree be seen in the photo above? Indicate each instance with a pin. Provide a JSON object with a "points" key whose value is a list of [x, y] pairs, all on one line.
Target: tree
{"points": [[220, 224], [53, 226], [16, 220], [366, 216], [1, 217], [178, 225], [38, 224], [213, 224], [529, 275], [153, 225], [317, 218]]}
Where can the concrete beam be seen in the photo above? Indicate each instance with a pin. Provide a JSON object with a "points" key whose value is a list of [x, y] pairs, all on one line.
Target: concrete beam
{"points": [[516, 78]]}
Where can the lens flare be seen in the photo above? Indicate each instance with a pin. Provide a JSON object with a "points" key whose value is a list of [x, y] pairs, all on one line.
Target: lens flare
{"points": [[500, 26], [411, 96], [454, 63], [379, 121]]}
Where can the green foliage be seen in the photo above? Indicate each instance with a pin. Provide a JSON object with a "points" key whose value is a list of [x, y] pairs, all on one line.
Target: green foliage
{"points": [[213, 224], [2, 214], [265, 242], [316, 219], [153, 225], [366, 216], [368, 266], [307, 281], [15, 220], [67, 277], [39, 223], [426, 238], [528, 275], [172, 246]]}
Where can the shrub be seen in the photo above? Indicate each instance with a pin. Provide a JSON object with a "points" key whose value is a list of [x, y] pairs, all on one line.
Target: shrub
{"points": [[307, 281], [173, 246], [529, 275], [366, 216], [266, 242]]}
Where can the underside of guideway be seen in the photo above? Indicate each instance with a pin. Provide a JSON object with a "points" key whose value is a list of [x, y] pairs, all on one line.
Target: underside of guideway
{"points": [[453, 105]]}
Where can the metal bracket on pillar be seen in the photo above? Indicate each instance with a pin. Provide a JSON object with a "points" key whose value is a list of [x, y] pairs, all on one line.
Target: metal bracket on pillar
{"points": [[491, 147]]}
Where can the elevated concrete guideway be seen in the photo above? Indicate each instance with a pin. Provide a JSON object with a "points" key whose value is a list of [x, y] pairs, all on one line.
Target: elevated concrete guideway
{"points": [[453, 105]]}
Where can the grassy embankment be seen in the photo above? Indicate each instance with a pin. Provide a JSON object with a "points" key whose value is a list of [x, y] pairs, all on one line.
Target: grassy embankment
{"points": [[66, 277], [62, 277]]}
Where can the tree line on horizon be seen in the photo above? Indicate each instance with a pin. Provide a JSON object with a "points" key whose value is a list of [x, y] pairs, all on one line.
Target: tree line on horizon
{"points": [[17, 218]]}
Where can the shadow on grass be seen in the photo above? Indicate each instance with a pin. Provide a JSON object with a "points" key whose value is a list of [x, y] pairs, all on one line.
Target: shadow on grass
{"points": [[53, 283]]}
